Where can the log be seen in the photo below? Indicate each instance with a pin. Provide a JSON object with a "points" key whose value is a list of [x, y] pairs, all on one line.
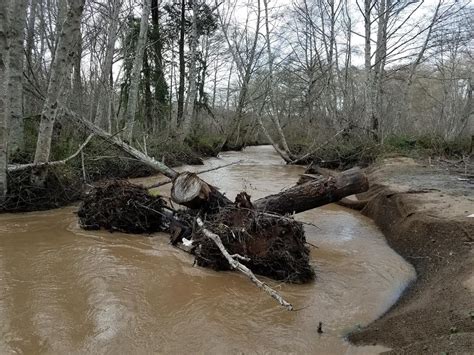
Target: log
{"points": [[315, 193], [191, 191]]}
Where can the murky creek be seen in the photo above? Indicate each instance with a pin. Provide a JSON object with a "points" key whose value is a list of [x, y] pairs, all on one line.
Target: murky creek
{"points": [[65, 290]]}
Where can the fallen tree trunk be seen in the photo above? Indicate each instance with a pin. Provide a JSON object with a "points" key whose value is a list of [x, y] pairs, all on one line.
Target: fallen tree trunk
{"points": [[191, 191], [188, 189], [315, 193]]}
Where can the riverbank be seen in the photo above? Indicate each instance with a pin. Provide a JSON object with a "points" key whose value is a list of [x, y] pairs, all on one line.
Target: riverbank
{"points": [[100, 161], [423, 211]]}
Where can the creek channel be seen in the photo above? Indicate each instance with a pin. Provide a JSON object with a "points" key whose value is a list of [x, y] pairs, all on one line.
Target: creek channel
{"points": [[65, 290]]}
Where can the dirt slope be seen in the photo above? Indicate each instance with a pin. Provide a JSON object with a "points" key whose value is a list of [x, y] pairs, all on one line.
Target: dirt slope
{"points": [[423, 212]]}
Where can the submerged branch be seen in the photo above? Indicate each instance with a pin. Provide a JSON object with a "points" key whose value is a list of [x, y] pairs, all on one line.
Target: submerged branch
{"points": [[242, 268]]}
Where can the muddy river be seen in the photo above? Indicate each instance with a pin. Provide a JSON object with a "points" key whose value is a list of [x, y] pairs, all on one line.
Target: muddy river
{"points": [[65, 290]]}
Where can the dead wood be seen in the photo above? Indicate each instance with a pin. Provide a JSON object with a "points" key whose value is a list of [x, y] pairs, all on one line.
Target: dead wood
{"points": [[19, 167], [235, 264], [315, 193], [191, 191], [122, 206]]}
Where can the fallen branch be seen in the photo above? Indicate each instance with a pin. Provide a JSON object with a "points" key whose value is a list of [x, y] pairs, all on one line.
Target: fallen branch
{"points": [[153, 163], [242, 268], [19, 167], [313, 151]]}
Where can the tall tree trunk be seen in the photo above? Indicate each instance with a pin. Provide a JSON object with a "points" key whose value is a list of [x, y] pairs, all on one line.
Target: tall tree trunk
{"points": [[245, 70], [182, 65], [30, 32], [273, 113], [367, 62], [60, 74], [191, 98], [76, 79], [136, 71], [4, 112], [15, 85], [148, 104], [104, 109], [379, 67], [161, 87]]}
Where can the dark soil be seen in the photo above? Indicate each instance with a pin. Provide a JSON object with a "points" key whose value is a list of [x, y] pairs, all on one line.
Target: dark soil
{"points": [[431, 230]]}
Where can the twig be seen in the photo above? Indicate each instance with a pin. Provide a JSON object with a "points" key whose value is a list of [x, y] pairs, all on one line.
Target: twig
{"points": [[242, 268], [18, 167], [316, 149], [199, 172], [281, 217]]}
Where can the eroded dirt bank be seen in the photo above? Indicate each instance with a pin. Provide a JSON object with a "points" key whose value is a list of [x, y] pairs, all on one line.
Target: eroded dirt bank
{"points": [[423, 212]]}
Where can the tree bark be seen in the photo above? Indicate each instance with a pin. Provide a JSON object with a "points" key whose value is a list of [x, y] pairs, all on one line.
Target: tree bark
{"points": [[136, 70], [4, 112], [161, 87], [274, 114], [191, 98], [103, 115], [150, 161], [15, 85], [315, 193], [182, 65], [60, 74]]}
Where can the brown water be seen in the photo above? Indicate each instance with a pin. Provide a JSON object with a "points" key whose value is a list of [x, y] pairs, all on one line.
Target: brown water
{"points": [[64, 290]]}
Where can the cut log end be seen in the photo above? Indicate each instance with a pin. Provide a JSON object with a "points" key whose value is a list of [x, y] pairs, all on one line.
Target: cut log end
{"points": [[188, 187], [190, 191]]}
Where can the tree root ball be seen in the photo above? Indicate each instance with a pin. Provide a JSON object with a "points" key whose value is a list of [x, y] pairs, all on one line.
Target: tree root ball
{"points": [[275, 246], [121, 206]]}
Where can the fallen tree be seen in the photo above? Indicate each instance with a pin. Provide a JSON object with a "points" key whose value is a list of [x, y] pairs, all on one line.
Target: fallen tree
{"points": [[251, 237], [242, 235]]}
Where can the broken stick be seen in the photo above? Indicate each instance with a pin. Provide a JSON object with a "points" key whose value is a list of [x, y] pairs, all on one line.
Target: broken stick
{"points": [[242, 268]]}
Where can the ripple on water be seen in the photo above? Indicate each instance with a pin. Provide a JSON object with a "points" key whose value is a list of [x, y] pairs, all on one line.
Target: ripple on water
{"points": [[63, 289]]}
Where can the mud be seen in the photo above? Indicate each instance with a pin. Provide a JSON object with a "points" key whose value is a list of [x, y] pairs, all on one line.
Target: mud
{"points": [[423, 211]]}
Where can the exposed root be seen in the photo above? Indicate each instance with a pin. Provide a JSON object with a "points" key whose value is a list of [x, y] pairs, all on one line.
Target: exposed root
{"points": [[60, 188], [275, 246], [268, 244], [121, 206]]}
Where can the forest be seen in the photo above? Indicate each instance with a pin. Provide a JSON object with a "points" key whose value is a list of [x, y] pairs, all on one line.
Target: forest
{"points": [[332, 80], [320, 149]]}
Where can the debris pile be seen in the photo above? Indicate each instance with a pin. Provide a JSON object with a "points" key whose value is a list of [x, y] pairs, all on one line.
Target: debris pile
{"points": [[118, 205]]}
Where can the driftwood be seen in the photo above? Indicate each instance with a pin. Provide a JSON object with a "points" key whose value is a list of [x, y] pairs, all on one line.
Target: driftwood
{"points": [[315, 193]]}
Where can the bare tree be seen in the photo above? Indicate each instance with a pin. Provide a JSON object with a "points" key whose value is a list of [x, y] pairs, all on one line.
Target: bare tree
{"points": [[136, 71], [60, 73], [17, 25], [192, 90], [4, 112]]}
